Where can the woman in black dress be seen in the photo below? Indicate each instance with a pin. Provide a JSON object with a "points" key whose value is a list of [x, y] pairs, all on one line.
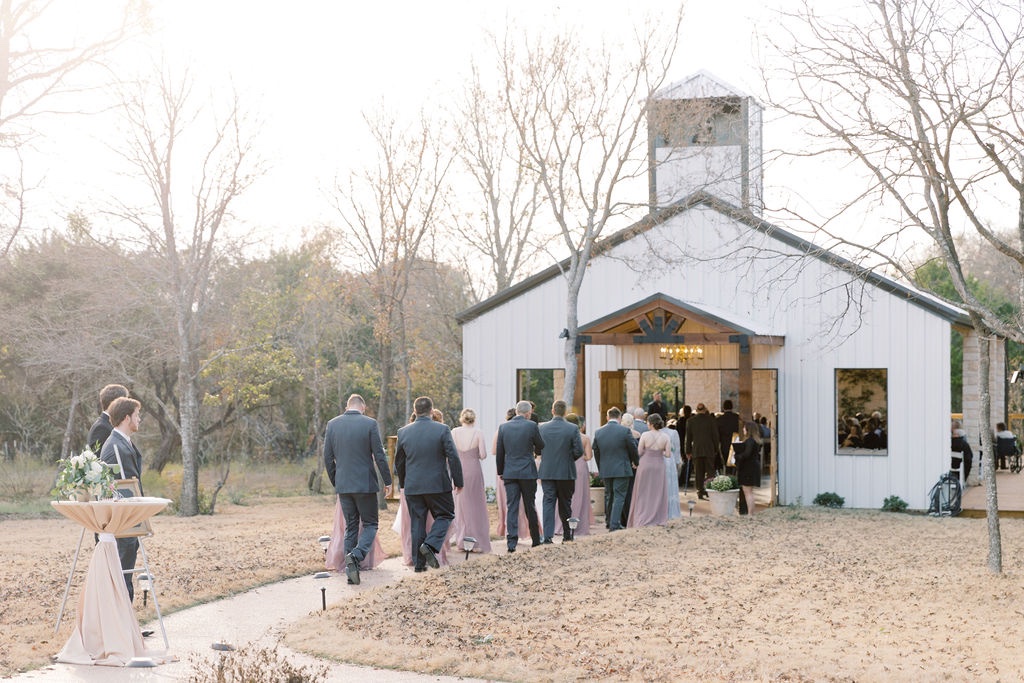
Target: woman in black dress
{"points": [[748, 463]]}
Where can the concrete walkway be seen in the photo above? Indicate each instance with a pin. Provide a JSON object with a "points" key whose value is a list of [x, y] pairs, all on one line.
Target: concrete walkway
{"points": [[260, 616]]}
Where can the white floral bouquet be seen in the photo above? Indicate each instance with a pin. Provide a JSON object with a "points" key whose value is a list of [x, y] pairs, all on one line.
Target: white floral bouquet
{"points": [[723, 482], [86, 472]]}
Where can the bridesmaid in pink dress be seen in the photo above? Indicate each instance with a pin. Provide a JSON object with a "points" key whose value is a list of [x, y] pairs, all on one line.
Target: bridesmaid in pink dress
{"points": [[471, 517], [649, 506], [336, 548], [581, 507]]}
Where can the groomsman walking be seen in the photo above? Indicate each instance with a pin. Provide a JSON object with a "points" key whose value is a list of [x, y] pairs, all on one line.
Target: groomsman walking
{"points": [[616, 456], [519, 441], [352, 445], [562, 447], [427, 464]]}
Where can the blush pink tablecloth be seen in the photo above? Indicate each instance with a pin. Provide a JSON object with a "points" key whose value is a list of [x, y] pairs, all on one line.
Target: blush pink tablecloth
{"points": [[106, 630]]}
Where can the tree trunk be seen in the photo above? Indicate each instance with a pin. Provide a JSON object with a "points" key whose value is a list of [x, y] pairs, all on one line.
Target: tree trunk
{"points": [[65, 446], [988, 466], [188, 505], [572, 321]]}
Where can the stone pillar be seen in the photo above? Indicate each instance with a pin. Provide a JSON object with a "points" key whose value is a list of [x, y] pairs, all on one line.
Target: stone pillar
{"points": [[633, 390], [973, 420], [972, 385]]}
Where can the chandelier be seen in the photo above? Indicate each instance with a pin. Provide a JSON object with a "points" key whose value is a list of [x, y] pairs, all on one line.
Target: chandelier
{"points": [[680, 353]]}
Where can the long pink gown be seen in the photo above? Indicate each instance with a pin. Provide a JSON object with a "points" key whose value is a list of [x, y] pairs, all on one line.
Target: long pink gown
{"points": [[336, 548], [649, 506], [403, 521], [581, 507], [471, 518]]}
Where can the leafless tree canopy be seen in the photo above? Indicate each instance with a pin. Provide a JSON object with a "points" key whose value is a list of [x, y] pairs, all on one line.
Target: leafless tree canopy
{"points": [[923, 96]]}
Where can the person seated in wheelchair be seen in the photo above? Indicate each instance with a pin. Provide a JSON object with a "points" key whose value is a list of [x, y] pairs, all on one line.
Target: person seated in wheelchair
{"points": [[1006, 445]]}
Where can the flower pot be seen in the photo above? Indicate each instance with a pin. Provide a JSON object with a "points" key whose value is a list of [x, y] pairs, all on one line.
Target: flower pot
{"points": [[82, 495], [597, 500], [723, 503]]}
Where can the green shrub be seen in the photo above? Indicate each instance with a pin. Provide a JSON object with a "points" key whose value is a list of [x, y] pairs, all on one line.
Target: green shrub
{"points": [[829, 500], [894, 504]]}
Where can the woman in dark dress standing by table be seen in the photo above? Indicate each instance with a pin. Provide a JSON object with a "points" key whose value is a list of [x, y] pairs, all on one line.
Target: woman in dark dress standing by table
{"points": [[748, 463]]}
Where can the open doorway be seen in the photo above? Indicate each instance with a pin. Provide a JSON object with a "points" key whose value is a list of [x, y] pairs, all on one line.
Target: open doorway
{"points": [[635, 388]]}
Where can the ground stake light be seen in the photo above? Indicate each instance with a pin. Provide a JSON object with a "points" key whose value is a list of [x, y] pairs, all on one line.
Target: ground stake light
{"points": [[573, 523], [322, 578], [324, 541], [690, 504], [146, 584], [468, 542]]}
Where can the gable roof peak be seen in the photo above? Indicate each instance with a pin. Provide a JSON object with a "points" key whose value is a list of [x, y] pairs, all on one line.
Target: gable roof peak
{"points": [[699, 85]]}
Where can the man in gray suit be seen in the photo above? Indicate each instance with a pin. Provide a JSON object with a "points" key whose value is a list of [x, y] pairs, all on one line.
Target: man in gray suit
{"points": [[352, 445], [562, 447], [616, 455], [118, 449], [427, 465], [519, 440]]}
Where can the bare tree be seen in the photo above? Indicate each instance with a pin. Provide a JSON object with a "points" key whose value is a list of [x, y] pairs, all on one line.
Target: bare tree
{"points": [[37, 78], [501, 228], [580, 116], [924, 96], [187, 236], [389, 212]]}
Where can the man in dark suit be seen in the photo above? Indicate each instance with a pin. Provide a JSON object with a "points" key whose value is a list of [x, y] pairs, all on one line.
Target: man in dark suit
{"points": [[118, 449], [684, 471], [519, 441], [701, 445], [616, 456], [728, 423], [657, 407], [562, 448], [100, 429], [427, 465], [352, 445]]}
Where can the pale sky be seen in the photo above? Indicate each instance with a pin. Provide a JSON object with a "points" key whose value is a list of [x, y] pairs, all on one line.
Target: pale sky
{"points": [[310, 67]]}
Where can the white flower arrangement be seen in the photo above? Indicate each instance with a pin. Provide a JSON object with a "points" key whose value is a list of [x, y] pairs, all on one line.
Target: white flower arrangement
{"points": [[723, 482], [86, 472]]}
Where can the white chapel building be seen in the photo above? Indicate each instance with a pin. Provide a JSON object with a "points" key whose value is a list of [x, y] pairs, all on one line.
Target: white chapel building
{"points": [[737, 308]]}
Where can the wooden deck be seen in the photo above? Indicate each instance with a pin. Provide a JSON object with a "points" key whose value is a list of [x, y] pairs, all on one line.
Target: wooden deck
{"points": [[1009, 492]]}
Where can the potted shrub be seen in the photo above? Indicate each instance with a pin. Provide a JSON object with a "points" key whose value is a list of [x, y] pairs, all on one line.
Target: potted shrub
{"points": [[724, 492]]}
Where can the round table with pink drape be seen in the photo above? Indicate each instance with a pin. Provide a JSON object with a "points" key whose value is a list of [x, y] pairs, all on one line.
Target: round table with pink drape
{"points": [[106, 630]]}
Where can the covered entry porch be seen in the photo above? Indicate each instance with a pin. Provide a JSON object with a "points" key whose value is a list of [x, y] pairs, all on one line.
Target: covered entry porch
{"points": [[716, 357]]}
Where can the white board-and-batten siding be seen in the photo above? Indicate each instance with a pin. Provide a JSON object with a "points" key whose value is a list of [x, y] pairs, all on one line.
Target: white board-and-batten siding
{"points": [[711, 260]]}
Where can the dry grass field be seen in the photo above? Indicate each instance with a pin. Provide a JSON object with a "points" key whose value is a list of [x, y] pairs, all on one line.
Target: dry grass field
{"points": [[793, 594]]}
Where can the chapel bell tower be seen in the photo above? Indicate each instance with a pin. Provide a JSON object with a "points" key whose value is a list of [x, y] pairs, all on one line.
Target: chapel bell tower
{"points": [[704, 134]]}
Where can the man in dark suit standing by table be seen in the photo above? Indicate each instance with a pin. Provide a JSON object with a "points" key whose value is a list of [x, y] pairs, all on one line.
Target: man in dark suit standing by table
{"points": [[352, 445], [616, 456], [427, 465], [118, 449], [562, 448], [519, 441], [101, 428], [702, 446]]}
